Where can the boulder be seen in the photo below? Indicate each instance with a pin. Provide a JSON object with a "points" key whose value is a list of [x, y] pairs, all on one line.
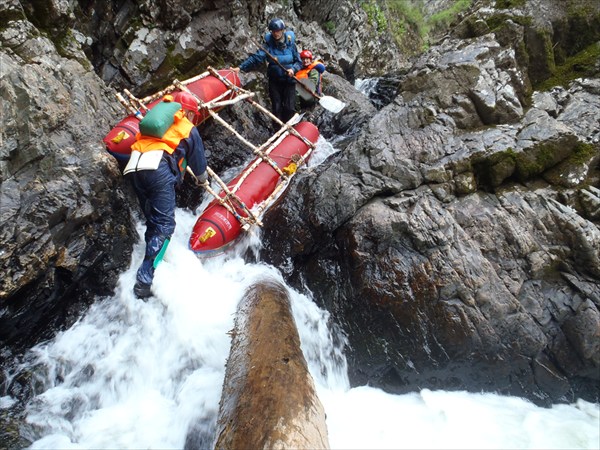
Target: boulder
{"points": [[461, 218], [66, 227]]}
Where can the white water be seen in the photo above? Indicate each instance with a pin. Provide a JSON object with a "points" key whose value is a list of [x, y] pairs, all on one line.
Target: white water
{"points": [[365, 85], [139, 375]]}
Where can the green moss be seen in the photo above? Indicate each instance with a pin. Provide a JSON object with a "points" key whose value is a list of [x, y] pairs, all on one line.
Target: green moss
{"points": [[407, 25], [8, 15], [538, 159], [375, 15], [527, 169], [133, 26], [491, 171], [329, 27], [576, 32], [580, 65], [553, 270], [67, 46], [575, 169], [584, 28], [498, 20], [582, 153], [62, 42], [444, 18], [180, 66], [507, 4], [541, 62]]}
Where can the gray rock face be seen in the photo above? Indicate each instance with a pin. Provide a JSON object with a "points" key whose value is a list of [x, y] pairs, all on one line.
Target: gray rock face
{"points": [[170, 39], [66, 229], [456, 219]]}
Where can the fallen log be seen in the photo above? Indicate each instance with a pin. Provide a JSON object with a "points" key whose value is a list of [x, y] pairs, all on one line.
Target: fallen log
{"points": [[269, 399]]}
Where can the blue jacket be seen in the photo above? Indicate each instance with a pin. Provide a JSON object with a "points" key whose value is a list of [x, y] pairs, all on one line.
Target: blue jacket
{"points": [[286, 53]]}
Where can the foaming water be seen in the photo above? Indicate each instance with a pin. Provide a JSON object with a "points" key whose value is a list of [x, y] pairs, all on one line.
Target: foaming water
{"points": [[134, 374], [366, 85], [365, 417], [323, 151]]}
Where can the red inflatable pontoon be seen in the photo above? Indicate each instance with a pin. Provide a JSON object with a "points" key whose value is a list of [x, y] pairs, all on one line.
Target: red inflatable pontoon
{"points": [[119, 140], [217, 226]]}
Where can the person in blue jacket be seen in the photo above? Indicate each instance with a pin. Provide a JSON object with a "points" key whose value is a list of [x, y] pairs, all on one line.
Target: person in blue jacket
{"points": [[281, 44], [156, 167]]}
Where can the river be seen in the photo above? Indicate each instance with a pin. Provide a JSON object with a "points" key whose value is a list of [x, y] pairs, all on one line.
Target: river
{"points": [[133, 374]]}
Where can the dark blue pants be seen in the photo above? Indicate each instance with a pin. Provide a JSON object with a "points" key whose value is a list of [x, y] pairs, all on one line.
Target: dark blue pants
{"points": [[155, 190], [283, 99]]}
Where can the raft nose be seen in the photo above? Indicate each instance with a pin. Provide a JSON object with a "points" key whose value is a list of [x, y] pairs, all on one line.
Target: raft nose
{"points": [[206, 236], [213, 230]]}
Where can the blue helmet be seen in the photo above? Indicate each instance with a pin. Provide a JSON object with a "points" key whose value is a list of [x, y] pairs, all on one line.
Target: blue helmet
{"points": [[276, 24]]}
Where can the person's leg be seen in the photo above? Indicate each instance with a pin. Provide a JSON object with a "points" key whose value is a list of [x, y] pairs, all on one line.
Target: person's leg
{"points": [[288, 101], [275, 94], [159, 209]]}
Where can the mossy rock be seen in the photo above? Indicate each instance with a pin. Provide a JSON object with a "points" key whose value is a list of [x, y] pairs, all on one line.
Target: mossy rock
{"points": [[491, 171], [465, 183], [68, 47], [574, 171], [10, 436], [582, 64], [9, 14], [576, 32], [538, 43], [536, 160], [508, 4], [497, 21]]}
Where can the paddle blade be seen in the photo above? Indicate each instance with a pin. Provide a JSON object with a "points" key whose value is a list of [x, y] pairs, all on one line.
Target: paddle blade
{"points": [[331, 104]]}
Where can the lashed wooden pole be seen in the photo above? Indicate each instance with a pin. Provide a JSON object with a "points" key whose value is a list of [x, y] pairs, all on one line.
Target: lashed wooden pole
{"points": [[269, 399]]}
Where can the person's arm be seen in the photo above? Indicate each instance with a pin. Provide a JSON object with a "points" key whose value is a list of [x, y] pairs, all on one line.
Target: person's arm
{"points": [[194, 152], [320, 67], [253, 60]]}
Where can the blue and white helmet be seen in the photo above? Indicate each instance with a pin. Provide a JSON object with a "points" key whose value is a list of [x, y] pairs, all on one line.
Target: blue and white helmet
{"points": [[276, 24]]}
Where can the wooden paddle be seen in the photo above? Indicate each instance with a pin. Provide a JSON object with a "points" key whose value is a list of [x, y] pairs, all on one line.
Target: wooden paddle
{"points": [[329, 103]]}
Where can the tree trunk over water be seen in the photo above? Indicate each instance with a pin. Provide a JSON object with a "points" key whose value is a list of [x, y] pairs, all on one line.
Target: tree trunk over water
{"points": [[269, 399]]}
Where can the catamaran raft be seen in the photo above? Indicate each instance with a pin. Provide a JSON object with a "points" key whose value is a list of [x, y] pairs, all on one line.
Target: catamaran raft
{"points": [[241, 202]]}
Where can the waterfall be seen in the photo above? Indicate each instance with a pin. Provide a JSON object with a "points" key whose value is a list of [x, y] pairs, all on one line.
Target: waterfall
{"points": [[380, 91], [134, 374]]}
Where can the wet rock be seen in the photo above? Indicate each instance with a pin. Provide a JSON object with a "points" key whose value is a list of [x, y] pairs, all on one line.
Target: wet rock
{"points": [[461, 216], [66, 226], [462, 224]]}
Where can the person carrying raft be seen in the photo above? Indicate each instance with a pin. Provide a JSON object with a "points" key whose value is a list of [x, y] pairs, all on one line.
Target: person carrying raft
{"points": [[281, 44], [166, 143]]}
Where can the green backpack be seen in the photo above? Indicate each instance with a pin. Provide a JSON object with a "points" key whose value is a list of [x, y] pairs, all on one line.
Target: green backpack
{"points": [[158, 120]]}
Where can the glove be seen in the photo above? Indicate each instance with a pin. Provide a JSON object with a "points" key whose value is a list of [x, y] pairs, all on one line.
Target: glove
{"points": [[202, 178]]}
